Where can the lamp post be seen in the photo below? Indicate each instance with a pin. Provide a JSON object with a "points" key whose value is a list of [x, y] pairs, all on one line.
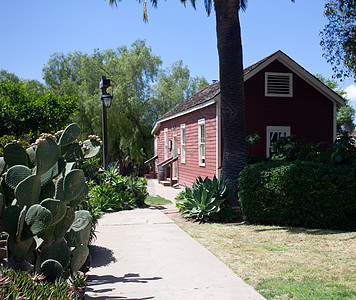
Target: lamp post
{"points": [[106, 103]]}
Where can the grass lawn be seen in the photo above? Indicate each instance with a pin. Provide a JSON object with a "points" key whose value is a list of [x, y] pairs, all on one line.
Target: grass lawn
{"points": [[156, 200], [285, 263]]}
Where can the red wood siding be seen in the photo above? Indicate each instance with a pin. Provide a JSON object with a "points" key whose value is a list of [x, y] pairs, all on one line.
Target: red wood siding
{"points": [[188, 172], [308, 112]]}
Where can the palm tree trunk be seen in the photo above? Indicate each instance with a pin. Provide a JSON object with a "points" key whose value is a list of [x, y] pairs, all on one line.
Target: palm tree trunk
{"points": [[232, 91]]}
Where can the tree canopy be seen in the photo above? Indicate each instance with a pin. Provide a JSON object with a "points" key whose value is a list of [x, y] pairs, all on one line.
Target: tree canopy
{"points": [[345, 114], [339, 37], [28, 108], [142, 91]]}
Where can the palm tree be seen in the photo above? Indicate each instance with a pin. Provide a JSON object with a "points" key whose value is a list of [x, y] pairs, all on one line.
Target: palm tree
{"points": [[231, 85], [231, 89]]}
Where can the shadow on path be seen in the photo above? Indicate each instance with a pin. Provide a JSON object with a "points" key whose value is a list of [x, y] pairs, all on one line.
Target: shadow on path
{"points": [[101, 256], [129, 277], [94, 280]]}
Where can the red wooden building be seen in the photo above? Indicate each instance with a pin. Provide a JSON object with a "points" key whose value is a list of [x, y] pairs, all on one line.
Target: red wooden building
{"points": [[281, 99]]}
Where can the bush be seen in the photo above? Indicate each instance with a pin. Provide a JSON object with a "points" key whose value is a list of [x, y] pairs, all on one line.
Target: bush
{"points": [[204, 200], [299, 193], [115, 192]]}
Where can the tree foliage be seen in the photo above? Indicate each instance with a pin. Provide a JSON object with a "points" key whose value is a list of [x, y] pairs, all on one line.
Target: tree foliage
{"points": [[345, 114], [339, 37], [136, 103], [27, 107], [174, 85]]}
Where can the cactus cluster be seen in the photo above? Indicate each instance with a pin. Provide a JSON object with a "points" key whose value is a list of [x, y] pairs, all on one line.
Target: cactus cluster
{"points": [[38, 196]]}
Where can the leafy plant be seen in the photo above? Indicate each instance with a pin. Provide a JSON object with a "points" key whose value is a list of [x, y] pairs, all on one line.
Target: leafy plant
{"points": [[203, 201], [115, 192], [21, 285]]}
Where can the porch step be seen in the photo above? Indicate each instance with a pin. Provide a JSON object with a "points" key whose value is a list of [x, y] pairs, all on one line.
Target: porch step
{"points": [[168, 182]]}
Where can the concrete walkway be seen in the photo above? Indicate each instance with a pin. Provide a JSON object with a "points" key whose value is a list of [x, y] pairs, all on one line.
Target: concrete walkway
{"points": [[143, 254]]}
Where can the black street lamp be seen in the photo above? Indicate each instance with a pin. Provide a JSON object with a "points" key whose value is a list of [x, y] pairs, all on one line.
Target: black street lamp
{"points": [[106, 102]]}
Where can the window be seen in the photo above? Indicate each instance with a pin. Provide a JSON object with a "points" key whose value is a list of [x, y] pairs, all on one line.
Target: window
{"points": [[182, 143], [166, 146], [201, 141], [274, 134], [278, 84]]}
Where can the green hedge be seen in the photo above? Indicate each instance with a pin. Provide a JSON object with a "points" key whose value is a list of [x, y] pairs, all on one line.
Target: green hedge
{"points": [[300, 194]]}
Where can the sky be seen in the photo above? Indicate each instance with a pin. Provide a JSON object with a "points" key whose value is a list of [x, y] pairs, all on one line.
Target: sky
{"points": [[31, 31]]}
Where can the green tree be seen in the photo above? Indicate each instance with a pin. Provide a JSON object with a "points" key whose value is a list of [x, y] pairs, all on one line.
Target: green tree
{"points": [[26, 110], [345, 114], [174, 85], [133, 70], [338, 38], [231, 84]]}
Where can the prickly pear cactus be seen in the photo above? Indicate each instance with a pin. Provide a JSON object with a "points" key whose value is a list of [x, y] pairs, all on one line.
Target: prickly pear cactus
{"points": [[39, 190]]}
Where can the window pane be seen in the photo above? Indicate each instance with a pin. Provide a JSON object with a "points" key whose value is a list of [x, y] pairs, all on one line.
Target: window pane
{"points": [[202, 133]]}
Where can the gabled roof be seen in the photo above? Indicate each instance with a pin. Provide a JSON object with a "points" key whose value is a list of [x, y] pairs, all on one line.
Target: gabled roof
{"points": [[208, 95]]}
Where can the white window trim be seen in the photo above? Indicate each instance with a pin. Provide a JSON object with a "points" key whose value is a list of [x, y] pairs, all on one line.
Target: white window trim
{"points": [[182, 145], [201, 158], [290, 75], [166, 146], [270, 129]]}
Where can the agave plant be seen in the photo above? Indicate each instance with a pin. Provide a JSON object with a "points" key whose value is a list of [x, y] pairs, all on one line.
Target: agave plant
{"points": [[203, 201]]}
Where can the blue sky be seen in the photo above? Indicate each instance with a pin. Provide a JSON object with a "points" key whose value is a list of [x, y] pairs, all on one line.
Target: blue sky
{"points": [[30, 31]]}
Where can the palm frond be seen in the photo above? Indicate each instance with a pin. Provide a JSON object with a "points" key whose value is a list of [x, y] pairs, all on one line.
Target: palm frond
{"points": [[113, 2]]}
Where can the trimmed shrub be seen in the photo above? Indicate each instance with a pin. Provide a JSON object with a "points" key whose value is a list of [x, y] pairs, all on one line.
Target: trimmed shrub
{"points": [[300, 194]]}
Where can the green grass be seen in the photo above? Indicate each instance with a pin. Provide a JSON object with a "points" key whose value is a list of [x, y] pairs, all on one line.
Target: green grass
{"points": [[156, 200], [283, 262], [307, 288]]}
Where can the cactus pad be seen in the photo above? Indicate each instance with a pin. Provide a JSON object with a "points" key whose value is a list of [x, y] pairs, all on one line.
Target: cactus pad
{"points": [[57, 208], [31, 157], [20, 223], [7, 192], [80, 230], [10, 217], [79, 256], [51, 269], [47, 234], [59, 195], [21, 249], [16, 174], [74, 182], [74, 153], [1, 202], [38, 218], [70, 134], [62, 227], [77, 200], [53, 172], [2, 165], [93, 146], [58, 251], [47, 154], [28, 191], [15, 154]]}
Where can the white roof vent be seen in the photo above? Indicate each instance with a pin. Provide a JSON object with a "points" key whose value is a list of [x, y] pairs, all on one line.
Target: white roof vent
{"points": [[278, 84]]}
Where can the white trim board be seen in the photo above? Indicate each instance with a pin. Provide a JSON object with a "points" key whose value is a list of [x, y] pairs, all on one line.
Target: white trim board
{"points": [[184, 112]]}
